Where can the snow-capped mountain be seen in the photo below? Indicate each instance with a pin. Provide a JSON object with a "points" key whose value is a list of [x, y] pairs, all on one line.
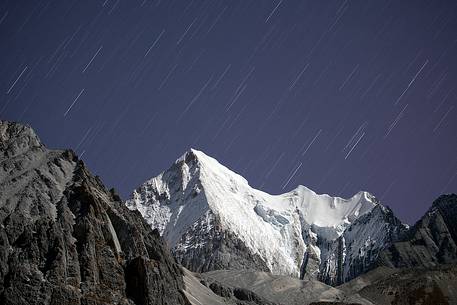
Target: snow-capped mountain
{"points": [[212, 219]]}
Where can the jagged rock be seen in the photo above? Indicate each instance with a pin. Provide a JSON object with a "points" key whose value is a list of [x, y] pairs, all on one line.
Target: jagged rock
{"points": [[223, 251], [64, 239], [431, 241], [357, 250], [221, 290]]}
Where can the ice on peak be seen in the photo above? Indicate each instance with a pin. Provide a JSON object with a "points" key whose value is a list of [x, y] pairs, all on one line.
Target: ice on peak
{"points": [[220, 174], [323, 210], [229, 195], [209, 167], [269, 225]]}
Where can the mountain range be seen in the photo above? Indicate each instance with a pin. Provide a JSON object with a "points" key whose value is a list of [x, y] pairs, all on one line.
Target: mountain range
{"points": [[212, 219], [199, 234]]}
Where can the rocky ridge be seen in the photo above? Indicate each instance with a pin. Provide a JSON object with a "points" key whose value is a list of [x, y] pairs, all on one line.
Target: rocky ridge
{"points": [[431, 241], [65, 239]]}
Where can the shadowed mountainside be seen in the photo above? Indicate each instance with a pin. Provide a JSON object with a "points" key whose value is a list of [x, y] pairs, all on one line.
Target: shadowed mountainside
{"points": [[64, 239]]}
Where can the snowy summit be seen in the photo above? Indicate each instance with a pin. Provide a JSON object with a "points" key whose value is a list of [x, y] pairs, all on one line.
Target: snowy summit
{"points": [[213, 219]]}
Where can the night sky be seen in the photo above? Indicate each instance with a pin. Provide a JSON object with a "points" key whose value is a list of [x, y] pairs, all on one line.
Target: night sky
{"points": [[339, 96]]}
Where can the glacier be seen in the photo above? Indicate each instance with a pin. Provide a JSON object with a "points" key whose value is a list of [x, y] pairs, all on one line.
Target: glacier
{"points": [[212, 219]]}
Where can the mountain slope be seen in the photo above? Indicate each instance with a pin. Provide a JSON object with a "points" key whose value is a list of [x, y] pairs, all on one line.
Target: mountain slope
{"points": [[280, 289], [390, 286], [213, 219], [64, 239], [421, 267], [431, 241]]}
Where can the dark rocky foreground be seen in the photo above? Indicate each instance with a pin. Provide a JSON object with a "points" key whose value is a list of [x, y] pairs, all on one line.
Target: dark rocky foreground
{"points": [[64, 239]]}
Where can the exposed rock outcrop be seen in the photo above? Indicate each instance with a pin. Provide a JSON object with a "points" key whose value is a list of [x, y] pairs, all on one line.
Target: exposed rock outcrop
{"points": [[217, 249], [358, 249], [431, 241], [65, 239]]}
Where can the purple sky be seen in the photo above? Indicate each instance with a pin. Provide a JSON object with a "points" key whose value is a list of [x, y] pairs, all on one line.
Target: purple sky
{"points": [[339, 96]]}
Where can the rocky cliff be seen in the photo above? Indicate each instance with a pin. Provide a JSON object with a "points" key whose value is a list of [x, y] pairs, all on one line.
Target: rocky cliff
{"points": [[431, 241], [65, 239]]}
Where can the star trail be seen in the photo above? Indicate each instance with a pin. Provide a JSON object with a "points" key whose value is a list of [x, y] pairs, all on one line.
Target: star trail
{"points": [[339, 96]]}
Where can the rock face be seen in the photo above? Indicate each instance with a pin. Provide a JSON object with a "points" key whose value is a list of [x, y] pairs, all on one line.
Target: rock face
{"points": [[224, 251], [357, 250], [431, 241], [64, 239], [212, 219]]}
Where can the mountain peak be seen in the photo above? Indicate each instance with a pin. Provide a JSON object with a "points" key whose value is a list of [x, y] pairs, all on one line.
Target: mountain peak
{"points": [[17, 138], [196, 157], [445, 201], [189, 155], [199, 198], [208, 168]]}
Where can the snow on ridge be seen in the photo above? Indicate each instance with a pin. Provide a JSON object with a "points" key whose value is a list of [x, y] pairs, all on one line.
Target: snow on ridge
{"points": [[321, 209], [271, 226]]}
